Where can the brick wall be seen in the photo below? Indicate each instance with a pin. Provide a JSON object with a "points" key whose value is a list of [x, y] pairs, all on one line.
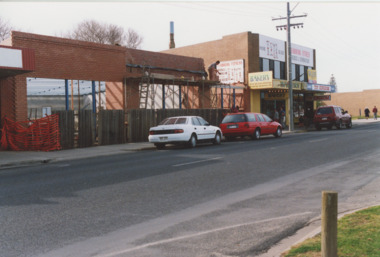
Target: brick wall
{"points": [[354, 102], [61, 58], [232, 47]]}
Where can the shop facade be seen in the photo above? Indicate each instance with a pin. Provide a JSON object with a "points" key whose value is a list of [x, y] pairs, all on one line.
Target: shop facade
{"points": [[265, 72], [270, 95]]}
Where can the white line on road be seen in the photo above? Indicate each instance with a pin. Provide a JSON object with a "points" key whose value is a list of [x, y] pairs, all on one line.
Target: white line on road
{"points": [[189, 163], [317, 140], [200, 234]]}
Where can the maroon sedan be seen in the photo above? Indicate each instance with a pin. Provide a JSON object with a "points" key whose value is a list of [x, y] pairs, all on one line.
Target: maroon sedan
{"points": [[249, 124]]}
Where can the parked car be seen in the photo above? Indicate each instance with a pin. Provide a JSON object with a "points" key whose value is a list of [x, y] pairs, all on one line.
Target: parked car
{"points": [[249, 124], [329, 116], [186, 130]]}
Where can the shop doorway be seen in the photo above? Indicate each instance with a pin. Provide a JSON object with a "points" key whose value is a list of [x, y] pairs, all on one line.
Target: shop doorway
{"points": [[269, 107]]}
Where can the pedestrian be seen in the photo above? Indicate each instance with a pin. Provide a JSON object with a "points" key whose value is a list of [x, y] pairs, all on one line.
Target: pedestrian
{"points": [[374, 110], [213, 71], [282, 117], [366, 111], [276, 115]]}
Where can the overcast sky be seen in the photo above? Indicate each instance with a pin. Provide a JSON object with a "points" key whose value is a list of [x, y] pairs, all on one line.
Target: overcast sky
{"points": [[346, 35]]}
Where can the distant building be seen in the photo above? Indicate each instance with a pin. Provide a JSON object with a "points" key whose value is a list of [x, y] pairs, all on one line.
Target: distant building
{"points": [[355, 102]]}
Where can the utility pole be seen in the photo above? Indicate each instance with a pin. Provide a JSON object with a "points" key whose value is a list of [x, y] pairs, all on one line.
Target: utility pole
{"points": [[287, 28]]}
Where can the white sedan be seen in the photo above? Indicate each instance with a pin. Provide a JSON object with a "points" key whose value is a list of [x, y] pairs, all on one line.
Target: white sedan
{"points": [[184, 130]]}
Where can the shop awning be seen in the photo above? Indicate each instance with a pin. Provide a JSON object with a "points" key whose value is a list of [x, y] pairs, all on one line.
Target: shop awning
{"points": [[15, 61]]}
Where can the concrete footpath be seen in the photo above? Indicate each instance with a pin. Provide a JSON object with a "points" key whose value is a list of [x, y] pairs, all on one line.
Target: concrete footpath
{"points": [[24, 158]]}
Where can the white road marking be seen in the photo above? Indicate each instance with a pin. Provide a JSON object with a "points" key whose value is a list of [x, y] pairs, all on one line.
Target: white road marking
{"points": [[317, 140], [189, 163], [200, 234]]}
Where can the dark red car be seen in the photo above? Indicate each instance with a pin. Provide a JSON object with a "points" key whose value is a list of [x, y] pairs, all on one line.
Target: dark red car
{"points": [[329, 116], [249, 124]]}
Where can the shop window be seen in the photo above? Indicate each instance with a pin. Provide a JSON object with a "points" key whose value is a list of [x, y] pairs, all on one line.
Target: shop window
{"points": [[293, 71], [271, 65], [264, 64], [282, 70], [302, 73], [298, 73], [277, 70], [306, 75]]}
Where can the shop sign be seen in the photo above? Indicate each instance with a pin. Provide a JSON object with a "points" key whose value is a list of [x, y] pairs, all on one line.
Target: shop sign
{"points": [[296, 85], [321, 87], [302, 55], [231, 71], [280, 95], [312, 76], [271, 48], [258, 80], [322, 97], [10, 58]]}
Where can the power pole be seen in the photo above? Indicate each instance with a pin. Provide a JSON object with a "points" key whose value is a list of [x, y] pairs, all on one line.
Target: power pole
{"points": [[287, 28]]}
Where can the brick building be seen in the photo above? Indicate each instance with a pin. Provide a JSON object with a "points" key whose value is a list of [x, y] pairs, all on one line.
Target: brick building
{"points": [[264, 71], [121, 68], [355, 102]]}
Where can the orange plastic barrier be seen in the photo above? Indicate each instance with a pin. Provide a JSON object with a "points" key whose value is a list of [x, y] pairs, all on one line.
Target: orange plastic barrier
{"points": [[37, 135]]}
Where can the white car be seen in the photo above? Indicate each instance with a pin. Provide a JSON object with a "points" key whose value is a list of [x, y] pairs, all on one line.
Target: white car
{"points": [[184, 130]]}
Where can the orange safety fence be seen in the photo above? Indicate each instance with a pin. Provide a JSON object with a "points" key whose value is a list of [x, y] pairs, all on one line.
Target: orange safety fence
{"points": [[36, 135]]}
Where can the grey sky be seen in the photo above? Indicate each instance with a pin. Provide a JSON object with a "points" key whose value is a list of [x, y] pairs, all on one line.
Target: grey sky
{"points": [[345, 34]]}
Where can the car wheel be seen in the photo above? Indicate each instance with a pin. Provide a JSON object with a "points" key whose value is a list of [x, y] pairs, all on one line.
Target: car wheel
{"points": [[349, 124], [278, 132], [217, 139], [160, 146], [339, 124], [257, 134], [193, 141]]}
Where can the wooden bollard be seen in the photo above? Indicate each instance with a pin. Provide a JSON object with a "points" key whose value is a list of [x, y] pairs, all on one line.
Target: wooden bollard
{"points": [[329, 229]]}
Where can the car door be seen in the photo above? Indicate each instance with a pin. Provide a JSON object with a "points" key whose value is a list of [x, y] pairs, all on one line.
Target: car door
{"points": [[197, 128], [207, 130], [270, 128], [262, 123]]}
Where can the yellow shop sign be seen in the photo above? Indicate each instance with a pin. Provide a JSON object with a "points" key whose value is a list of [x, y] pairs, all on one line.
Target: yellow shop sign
{"points": [[283, 84], [259, 80]]}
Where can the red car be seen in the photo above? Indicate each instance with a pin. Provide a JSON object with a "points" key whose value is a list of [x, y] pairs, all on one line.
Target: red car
{"points": [[329, 116], [249, 124]]}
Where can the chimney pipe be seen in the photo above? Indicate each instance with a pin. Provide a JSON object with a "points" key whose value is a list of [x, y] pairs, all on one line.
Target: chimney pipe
{"points": [[171, 44]]}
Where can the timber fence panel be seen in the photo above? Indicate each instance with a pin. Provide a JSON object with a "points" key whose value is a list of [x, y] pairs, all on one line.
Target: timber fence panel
{"points": [[111, 127], [86, 137], [66, 128]]}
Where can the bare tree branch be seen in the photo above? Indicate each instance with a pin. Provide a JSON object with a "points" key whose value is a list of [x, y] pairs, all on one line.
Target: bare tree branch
{"points": [[94, 31], [5, 29]]}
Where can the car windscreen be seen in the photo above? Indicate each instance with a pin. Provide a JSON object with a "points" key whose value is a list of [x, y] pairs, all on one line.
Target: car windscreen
{"points": [[234, 118], [170, 121], [324, 111]]}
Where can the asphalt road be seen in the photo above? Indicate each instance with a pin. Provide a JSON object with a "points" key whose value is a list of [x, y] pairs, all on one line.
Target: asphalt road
{"points": [[236, 199]]}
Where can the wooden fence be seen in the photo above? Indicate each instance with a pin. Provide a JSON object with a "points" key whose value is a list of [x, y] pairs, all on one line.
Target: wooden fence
{"points": [[66, 128], [140, 120], [110, 127], [86, 128]]}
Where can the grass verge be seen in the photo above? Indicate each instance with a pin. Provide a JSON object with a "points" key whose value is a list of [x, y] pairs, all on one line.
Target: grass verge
{"points": [[358, 235]]}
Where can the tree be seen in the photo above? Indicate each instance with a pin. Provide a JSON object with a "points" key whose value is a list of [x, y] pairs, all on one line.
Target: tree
{"points": [[5, 29], [333, 82], [93, 31]]}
